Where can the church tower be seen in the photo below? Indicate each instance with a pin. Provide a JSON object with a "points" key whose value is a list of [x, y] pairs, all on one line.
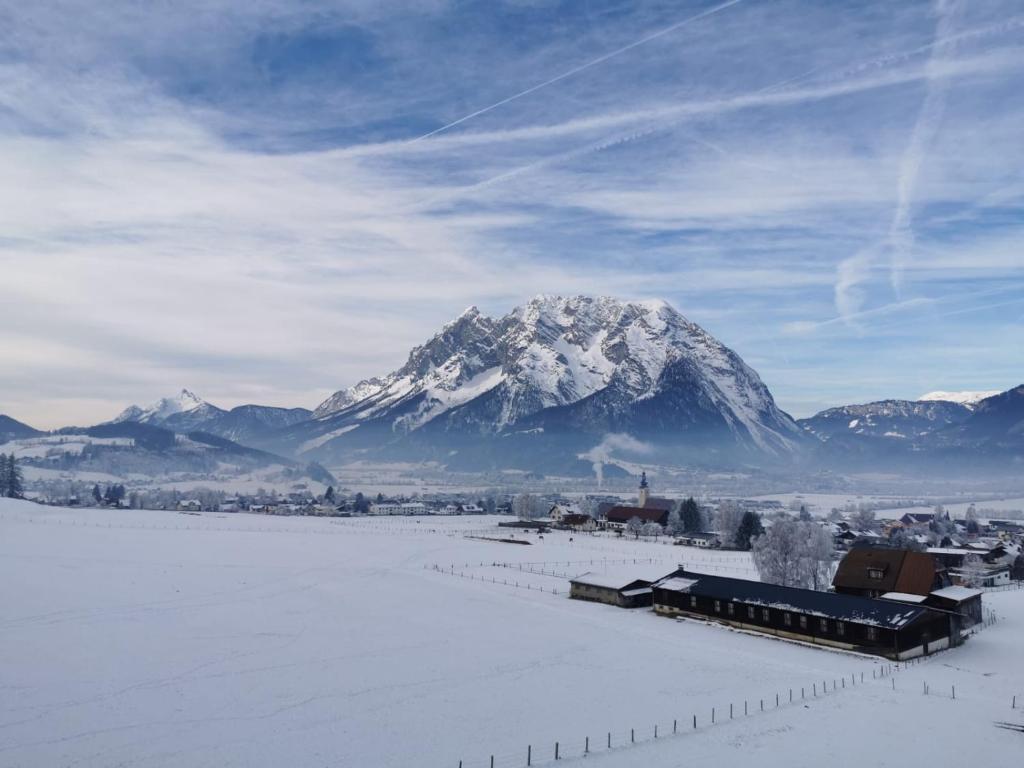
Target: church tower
{"points": [[645, 491]]}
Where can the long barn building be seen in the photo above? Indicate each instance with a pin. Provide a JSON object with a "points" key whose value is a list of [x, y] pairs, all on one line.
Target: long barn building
{"points": [[882, 627]]}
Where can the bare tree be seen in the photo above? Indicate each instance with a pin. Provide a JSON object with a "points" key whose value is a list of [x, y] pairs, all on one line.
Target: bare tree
{"points": [[526, 506], [794, 553]]}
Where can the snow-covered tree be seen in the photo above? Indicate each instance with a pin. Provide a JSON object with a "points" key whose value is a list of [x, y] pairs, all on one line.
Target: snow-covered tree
{"points": [[972, 571], [804, 514], [794, 553], [526, 506], [901, 539], [635, 526], [727, 520], [863, 519], [674, 525], [652, 528]]}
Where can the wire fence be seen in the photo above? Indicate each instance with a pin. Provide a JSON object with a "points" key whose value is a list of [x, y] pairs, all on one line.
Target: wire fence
{"points": [[685, 724]]}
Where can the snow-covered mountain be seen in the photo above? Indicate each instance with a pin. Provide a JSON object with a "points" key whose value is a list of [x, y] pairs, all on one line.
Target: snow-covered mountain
{"points": [[559, 372], [247, 424], [183, 409], [969, 398], [900, 419]]}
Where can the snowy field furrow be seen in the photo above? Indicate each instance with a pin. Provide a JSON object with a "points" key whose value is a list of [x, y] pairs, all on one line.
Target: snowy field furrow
{"points": [[148, 638]]}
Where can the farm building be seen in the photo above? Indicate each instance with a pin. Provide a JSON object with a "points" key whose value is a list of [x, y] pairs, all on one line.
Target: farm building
{"points": [[702, 540], [630, 588], [881, 627], [873, 571], [617, 517]]}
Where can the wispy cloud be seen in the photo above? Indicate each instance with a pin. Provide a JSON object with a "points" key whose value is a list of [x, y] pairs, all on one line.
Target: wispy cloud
{"points": [[230, 195]]}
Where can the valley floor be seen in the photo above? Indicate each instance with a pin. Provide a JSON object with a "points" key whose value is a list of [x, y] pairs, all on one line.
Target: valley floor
{"points": [[161, 639]]}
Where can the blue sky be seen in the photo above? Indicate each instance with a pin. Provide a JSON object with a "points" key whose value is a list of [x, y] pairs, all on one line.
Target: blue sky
{"points": [[268, 200]]}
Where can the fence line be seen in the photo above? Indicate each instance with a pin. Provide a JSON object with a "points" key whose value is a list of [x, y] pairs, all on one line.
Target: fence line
{"points": [[545, 754]]}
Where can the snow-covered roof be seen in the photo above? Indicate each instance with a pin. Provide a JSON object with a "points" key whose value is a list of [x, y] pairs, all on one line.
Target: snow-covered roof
{"points": [[635, 592], [830, 605], [957, 593], [676, 584], [904, 597], [619, 578]]}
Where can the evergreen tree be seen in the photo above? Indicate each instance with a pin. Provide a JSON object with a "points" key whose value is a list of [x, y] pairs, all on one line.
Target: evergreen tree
{"points": [[360, 504], [750, 528], [11, 482], [690, 513], [805, 516], [96, 495], [329, 494]]}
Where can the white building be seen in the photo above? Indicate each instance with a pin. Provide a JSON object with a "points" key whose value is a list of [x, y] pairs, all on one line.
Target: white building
{"points": [[399, 508]]}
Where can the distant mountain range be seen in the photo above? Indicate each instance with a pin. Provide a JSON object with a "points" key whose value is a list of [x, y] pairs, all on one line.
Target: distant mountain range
{"points": [[561, 384], [188, 413]]}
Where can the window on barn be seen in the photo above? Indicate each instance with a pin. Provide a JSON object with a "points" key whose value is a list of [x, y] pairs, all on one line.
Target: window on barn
{"points": [[875, 573], [787, 619], [840, 628], [693, 601], [766, 615], [872, 633], [824, 625], [732, 609], [750, 611], [718, 606], [803, 622]]}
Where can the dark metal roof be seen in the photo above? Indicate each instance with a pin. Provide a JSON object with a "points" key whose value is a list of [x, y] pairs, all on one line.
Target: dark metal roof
{"points": [[658, 502], [851, 608], [624, 514]]}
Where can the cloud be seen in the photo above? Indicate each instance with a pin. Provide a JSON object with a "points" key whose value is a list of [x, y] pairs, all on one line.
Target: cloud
{"points": [[224, 195]]}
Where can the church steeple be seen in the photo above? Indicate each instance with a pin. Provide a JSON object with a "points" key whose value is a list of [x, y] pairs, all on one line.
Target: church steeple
{"points": [[644, 490]]}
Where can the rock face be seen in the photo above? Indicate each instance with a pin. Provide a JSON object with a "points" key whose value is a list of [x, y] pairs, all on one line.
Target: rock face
{"points": [[553, 377]]}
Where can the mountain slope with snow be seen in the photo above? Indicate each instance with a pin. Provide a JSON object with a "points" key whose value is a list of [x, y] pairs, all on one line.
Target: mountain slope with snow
{"points": [[247, 424], [901, 419], [968, 398], [569, 369]]}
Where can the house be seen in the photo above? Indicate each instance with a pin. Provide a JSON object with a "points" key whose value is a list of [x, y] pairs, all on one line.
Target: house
{"points": [[472, 509], [398, 508], [617, 517], [917, 519], [702, 540], [885, 628], [189, 505], [626, 588], [578, 522], [873, 571], [560, 509]]}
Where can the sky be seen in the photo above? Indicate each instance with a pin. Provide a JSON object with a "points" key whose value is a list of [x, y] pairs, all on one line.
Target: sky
{"points": [[266, 201]]}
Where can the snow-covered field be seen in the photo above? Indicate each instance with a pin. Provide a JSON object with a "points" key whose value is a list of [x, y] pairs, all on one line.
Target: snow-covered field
{"points": [[153, 638]]}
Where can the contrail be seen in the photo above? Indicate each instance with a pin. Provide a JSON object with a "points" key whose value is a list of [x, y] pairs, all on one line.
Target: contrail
{"points": [[901, 234], [582, 67]]}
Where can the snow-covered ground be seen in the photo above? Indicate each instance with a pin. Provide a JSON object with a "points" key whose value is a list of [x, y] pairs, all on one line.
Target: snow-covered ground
{"points": [[153, 638]]}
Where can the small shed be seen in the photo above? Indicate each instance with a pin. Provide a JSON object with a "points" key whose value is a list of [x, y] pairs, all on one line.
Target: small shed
{"points": [[628, 588]]}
